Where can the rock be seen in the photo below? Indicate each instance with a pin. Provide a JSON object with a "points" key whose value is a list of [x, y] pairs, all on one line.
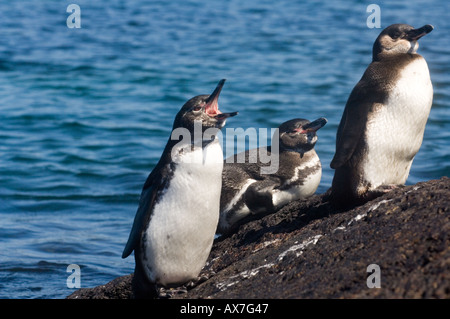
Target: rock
{"points": [[119, 288], [310, 250]]}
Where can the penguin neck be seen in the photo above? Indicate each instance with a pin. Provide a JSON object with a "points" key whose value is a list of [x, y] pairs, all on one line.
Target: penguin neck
{"points": [[385, 56], [186, 138], [200, 151], [301, 150]]}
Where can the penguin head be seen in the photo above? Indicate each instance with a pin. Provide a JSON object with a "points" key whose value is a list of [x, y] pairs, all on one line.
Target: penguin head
{"points": [[299, 134], [399, 38], [203, 109]]}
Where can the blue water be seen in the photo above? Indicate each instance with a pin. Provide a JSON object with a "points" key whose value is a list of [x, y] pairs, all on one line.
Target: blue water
{"points": [[85, 113]]}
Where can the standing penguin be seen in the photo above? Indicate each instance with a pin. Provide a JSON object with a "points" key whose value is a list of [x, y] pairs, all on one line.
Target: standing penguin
{"points": [[247, 190], [383, 123], [175, 223]]}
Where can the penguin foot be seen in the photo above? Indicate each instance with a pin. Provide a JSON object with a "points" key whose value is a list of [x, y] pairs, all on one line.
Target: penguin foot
{"points": [[387, 188], [142, 288], [167, 293], [200, 279], [380, 190]]}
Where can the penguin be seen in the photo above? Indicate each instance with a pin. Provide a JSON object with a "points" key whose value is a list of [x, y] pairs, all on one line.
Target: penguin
{"points": [[178, 212], [246, 190], [383, 123]]}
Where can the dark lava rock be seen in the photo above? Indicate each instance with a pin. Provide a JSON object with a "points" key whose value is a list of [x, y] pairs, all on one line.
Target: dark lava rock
{"points": [[119, 288], [310, 250]]}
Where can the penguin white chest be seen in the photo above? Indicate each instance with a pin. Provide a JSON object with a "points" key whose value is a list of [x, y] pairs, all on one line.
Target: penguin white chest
{"points": [[395, 131], [183, 223], [303, 186]]}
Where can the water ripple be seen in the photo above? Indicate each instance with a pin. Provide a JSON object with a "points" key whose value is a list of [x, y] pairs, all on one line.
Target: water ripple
{"points": [[85, 113]]}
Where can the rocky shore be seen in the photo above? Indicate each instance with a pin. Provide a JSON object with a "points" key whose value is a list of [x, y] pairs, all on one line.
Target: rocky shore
{"points": [[310, 250]]}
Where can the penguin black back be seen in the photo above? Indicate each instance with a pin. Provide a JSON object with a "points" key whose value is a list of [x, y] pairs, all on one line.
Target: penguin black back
{"points": [[247, 191]]}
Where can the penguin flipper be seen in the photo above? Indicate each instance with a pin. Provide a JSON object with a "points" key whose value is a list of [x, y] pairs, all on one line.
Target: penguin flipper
{"points": [[352, 126], [146, 201], [346, 140], [369, 95], [258, 196]]}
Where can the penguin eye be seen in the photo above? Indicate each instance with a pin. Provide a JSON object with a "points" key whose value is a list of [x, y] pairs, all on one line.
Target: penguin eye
{"points": [[396, 35], [296, 131], [196, 108]]}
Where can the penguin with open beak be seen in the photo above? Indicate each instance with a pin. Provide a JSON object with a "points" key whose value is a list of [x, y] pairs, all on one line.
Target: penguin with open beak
{"points": [[175, 223]]}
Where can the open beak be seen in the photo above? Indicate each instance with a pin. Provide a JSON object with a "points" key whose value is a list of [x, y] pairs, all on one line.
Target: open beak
{"points": [[212, 104], [314, 126], [416, 34]]}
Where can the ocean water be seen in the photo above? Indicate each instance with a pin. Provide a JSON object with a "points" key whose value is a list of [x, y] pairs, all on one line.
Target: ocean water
{"points": [[85, 112]]}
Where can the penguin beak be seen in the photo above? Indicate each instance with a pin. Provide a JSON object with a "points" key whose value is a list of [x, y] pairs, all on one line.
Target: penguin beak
{"points": [[416, 34], [314, 126], [212, 105]]}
